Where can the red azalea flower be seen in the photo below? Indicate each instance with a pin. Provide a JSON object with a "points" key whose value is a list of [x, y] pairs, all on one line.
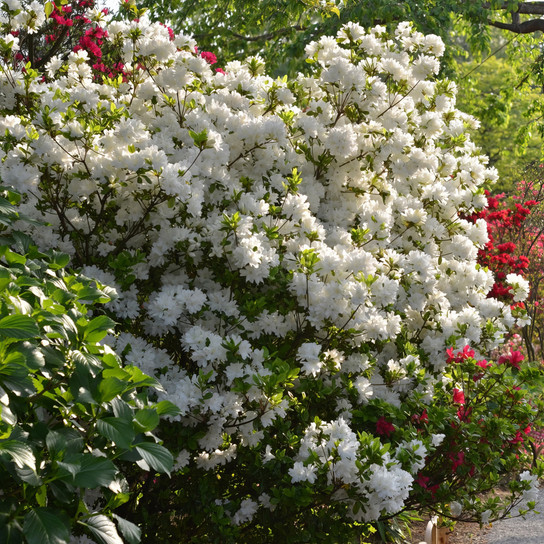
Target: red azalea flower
{"points": [[209, 57], [460, 356], [457, 460], [464, 414], [384, 428], [422, 480], [513, 359], [458, 396]]}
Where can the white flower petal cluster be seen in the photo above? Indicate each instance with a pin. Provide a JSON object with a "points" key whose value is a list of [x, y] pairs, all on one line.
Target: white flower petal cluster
{"points": [[520, 285], [271, 239]]}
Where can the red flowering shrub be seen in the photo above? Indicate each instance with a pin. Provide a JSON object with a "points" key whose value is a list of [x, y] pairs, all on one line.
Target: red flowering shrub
{"points": [[516, 246]]}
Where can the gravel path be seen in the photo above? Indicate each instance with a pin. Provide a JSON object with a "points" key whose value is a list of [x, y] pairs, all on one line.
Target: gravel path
{"points": [[518, 530]]}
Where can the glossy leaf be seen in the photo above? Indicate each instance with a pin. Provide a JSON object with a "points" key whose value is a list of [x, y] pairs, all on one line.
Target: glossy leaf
{"points": [[43, 526]]}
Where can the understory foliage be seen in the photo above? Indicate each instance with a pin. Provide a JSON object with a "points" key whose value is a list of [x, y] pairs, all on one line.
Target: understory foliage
{"points": [[73, 419], [290, 259]]}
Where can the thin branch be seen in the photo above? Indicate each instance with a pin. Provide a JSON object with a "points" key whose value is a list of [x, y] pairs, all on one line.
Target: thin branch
{"points": [[488, 57]]}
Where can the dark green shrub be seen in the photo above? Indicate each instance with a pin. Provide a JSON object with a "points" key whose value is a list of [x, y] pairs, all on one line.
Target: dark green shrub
{"points": [[71, 416]]}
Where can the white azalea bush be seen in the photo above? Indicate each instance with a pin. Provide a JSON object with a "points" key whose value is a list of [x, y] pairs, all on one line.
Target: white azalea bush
{"points": [[290, 260]]}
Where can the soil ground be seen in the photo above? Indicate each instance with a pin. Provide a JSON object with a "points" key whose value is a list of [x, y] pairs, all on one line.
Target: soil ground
{"points": [[464, 533]]}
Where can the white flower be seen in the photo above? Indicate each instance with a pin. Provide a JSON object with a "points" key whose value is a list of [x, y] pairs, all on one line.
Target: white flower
{"points": [[521, 286], [301, 473], [248, 509], [456, 509], [485, 517]]}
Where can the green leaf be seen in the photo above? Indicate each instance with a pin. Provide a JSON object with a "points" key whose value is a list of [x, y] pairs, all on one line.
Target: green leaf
{"points": [[14, 258], [18, 326], [98, 328], [57, 259], [63, 440], [119, 431], [92, 294], [110, 388], [48, 9], [121, 409], [95, 471], [29, 476], [140, 379], [21, 241], [131, 532], [43, 526], [103, 528], [21, 454], [100, 323], [5, 278], [89, 471], [167, 408], [33, 355], [156, 456], [146, 420]]}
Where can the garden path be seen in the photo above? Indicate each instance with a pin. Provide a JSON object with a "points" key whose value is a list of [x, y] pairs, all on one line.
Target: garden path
{"points": [[518, 530]]}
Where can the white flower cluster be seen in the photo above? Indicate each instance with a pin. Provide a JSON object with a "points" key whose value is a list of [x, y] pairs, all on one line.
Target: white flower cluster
{"points": [[379, 488], [520, 286], [282, 234]]}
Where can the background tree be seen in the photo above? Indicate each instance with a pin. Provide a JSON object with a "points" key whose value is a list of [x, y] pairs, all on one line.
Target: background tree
{"points": [[489, 90]]}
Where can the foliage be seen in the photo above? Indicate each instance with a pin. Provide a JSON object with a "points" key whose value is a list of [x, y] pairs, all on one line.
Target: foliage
{"points": [[490, 93], [73, 419], [291, 263]]}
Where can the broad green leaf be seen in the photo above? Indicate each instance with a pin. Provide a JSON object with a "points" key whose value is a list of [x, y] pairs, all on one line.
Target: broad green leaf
{"points": [[14, 258], [102, 323], [110, 388], [18, 326], [21, 453], [103, 528], [33, 355], [20, 305], [156, 456], [21, 241], [5, 278], [131, 532], [62, 491], [119, 431], [146, 420], [95, 471], [167, 408], [90, 361], [43, 526], [29, 476], [7, 415], [63, 440], [89, 471], [57, 259], [48, 9], [140, 379], [92, 294], [7, 208], [14, 376], [121, 409]]}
